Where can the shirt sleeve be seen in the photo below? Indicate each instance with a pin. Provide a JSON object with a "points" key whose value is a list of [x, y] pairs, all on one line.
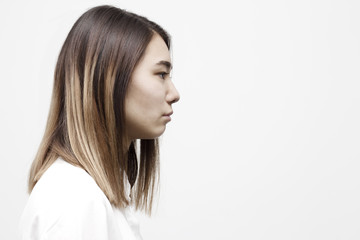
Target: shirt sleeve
{"points": [[89, 220], [71, 208]]}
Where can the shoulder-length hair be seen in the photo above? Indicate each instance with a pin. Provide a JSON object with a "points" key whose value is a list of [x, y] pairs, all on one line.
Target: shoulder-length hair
{"points": [[86, 122]]}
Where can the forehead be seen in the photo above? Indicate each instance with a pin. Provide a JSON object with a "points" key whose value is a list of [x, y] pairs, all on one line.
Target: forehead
{"points": [[156, 51]]}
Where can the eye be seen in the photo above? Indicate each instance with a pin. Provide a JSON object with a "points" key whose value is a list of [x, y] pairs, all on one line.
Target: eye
{"points": [[163, 75]]}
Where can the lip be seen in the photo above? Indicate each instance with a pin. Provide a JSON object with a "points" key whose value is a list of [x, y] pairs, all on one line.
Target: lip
{"points": [[168, 114]]}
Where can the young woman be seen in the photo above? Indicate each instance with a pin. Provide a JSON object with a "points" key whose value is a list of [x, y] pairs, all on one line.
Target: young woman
{"points": [[112, 99]]}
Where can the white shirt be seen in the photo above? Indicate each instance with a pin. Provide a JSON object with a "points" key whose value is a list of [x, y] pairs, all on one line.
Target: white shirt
{"points": [[67, 204]]}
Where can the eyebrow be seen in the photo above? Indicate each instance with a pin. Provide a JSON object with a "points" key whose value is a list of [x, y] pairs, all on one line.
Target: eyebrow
{"points": [[167, 64]]}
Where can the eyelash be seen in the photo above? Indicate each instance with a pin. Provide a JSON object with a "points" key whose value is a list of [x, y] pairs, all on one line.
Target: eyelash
{"points": [[163, 75]]}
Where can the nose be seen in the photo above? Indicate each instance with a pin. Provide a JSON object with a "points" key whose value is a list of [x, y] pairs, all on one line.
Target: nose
{"points": [[173, 95]]}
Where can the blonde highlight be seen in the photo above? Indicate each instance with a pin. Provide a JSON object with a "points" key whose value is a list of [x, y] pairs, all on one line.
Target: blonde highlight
{"points": [[86, 126]]}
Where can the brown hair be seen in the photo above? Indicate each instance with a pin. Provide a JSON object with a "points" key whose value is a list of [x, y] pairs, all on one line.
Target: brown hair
{"points": [[86, 124]]}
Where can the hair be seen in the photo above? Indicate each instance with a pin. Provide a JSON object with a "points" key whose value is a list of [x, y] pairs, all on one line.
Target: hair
{"points": [[86, 121]]}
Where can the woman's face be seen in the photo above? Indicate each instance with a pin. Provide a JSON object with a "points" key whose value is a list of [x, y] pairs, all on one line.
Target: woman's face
{"points": [[150, 93]]}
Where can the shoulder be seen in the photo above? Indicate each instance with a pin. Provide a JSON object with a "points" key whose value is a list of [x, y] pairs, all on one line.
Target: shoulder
{"points": [[65, 184], [66, 199]]}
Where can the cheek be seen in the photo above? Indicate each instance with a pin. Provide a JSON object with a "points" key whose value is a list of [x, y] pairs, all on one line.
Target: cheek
{"points": [[145, 98], [144, 106]]}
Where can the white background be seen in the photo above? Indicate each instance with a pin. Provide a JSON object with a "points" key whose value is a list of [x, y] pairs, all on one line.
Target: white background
{"points": [[264, 143]]}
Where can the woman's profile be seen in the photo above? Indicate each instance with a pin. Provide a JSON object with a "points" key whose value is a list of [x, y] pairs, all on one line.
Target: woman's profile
{"points": [[112, 98]]}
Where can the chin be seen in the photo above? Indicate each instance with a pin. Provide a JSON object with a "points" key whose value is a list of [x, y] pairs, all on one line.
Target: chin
{"points": [[156, 134], [152, 134]]}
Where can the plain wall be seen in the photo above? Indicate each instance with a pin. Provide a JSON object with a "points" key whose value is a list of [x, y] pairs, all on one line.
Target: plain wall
{"points": [[264, 143]]}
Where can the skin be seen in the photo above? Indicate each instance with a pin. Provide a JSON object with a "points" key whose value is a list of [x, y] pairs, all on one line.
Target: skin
{"points": [[151, 93]]}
